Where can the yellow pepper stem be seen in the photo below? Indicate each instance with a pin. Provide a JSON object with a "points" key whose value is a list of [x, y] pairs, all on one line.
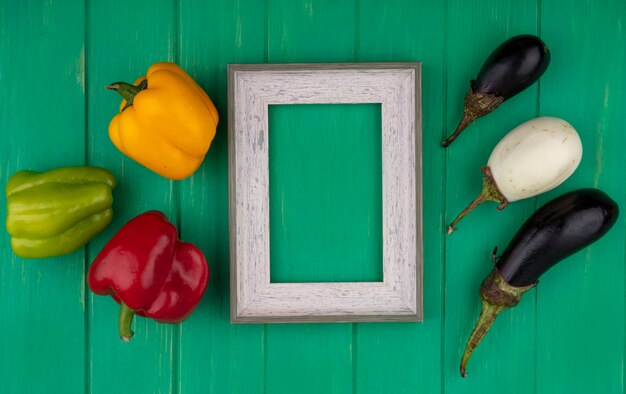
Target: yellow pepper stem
{"points": [[128, 91]]}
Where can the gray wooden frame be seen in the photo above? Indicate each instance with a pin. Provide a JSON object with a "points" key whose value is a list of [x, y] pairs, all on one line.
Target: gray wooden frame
{"points": [[251, 89]]}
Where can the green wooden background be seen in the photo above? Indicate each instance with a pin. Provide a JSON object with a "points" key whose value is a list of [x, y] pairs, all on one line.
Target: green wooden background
{"points": [[566, 336]]}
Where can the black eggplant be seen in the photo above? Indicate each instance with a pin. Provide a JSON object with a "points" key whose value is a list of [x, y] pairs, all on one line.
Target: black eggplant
{"points": [[515, 65], [555, 231]]}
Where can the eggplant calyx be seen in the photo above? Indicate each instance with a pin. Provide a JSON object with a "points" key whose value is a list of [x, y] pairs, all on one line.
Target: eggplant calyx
{"points": [[476, 104], [497, 295], [490, 192]]}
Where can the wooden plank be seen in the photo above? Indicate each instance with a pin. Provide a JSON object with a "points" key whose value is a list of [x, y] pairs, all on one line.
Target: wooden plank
{"points": [[309, 358], [217, 357], [476, 28], [123, 40], [580, 332], [42, 122], [405, 357]]}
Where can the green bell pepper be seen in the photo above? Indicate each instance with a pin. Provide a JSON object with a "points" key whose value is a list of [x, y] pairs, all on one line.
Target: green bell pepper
{"points": [[56, 212]]}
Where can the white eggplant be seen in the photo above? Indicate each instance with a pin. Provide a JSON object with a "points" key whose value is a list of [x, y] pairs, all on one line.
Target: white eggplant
{"points": [[533, 158]]}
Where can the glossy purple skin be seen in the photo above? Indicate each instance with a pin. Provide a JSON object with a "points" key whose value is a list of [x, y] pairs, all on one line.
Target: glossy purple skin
{"points": [[515, 65], [555, 231]]}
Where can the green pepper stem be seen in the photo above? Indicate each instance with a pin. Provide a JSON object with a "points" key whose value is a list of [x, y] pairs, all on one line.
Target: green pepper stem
{"points": [[124, 322], [127, 91], [490, 192]]}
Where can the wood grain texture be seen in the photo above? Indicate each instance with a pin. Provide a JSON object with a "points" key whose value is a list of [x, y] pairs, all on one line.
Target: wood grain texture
{"points": [[215, 356], [150, 358], [512, 337], [385, 353], [397, 87], [590, 91], [567, 335], [310, 31], [477, 28], [42, 300]]}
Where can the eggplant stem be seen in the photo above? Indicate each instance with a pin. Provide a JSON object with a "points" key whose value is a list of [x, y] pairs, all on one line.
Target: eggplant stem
{"points": [[475, 105], [482, 197], [490, 192], [466, 120], [496, 295], [487, 316]]}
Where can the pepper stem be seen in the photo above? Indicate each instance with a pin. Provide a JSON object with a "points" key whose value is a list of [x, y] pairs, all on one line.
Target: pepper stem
{"points": [[490, 192], [124, 322], [475, 105], [127, 91]]}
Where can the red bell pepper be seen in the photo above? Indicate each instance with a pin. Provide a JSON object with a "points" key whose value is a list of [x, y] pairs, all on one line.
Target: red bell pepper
{"points": [[149, 272]]}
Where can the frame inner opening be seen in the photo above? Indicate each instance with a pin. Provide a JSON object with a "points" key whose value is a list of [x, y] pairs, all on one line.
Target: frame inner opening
{"points": [[325, 193]]}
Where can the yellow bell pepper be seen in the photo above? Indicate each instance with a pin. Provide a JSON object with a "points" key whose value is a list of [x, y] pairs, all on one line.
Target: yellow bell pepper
{"points": [[166, 121]]}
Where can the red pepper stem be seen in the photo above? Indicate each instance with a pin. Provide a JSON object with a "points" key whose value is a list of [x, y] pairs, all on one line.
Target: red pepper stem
{"points": [[490, 192], [124, 322], [127, 91]]}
